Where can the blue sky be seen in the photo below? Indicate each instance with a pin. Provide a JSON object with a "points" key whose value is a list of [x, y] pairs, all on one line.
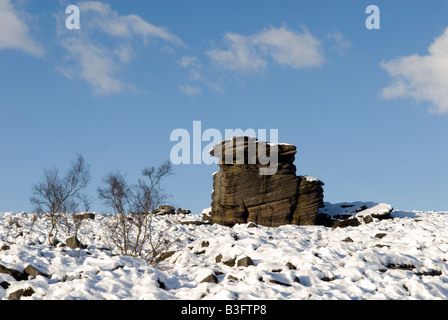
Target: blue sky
{"points": [[365, 108]]}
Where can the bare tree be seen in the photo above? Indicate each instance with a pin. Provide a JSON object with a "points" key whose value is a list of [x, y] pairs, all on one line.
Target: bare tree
{"points": [[57, 195], [131, 229]]}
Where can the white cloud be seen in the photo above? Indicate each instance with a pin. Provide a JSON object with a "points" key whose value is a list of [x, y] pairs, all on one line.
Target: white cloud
{"points": [[191, 91], [125, 26], [289, 48], [272, 45], [96, 65], [341, 44], [423, 78], [98, 60], [188, 61], [241, 55], [14, 33], [197, 77]]}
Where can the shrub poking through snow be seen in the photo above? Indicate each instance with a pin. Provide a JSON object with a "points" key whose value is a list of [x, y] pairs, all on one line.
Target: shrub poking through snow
{"points": [[131, 230], [56, 195]]}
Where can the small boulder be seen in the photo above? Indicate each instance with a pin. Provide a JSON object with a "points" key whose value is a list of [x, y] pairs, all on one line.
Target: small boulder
{"points": [[251, 225], [73, 243], [205, 244], [32, 271], [230, 262], [85, 216], [17, 295], [166, 255], [19, 276], [244, 262], [380, 235], [208, 277]]}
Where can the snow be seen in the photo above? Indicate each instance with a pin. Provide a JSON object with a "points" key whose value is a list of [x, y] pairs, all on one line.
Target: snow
{"points": [[310, 178], [357, 209], [400, 258]]}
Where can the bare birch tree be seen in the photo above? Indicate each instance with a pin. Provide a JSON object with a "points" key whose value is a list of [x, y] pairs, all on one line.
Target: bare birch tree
{"points": [[131, 229], [57, 195]]}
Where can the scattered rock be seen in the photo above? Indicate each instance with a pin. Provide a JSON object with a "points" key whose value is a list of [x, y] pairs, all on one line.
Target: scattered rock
{"points": [[348, 239], [162, 210], [32, 271], [230, 277], [350, 222], [251, 225], [429, 273], [230, 262], [161, 284], [328, 279], [4, 247], [166, 255], [183, 211], [193, 222], [205, 244], [367, 219], [352, 214], [210, 278], [279, 282], [19, 276], [244, 262], [74, 243], [16, 295], [380, 235], [4, 284], [85, 216], [291, 266], [401, 266]]}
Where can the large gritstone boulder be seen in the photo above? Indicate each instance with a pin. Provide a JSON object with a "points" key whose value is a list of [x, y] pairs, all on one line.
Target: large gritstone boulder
{"points": [[257, 182]]}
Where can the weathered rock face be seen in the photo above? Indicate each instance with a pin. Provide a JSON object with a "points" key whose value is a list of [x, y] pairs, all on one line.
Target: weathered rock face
{"points": [[242, 193]]}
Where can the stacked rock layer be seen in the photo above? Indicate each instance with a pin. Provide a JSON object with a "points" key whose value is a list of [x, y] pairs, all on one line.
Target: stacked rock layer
{"points": [[243, 193]]}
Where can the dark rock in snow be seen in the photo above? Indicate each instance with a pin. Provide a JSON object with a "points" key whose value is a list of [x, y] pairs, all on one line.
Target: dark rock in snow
{"points": [[85, 216], [352, 214], [244, 262], [16, 295], [380, 235], [74, 243], [19, 276], [32, 271], [211, 278]]}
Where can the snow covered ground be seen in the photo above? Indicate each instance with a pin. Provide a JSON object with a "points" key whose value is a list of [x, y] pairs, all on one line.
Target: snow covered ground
{"points": [[400, 258]]}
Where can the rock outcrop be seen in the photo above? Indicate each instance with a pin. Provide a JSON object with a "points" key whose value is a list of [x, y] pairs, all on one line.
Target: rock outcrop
{"points": [[243, 192]]}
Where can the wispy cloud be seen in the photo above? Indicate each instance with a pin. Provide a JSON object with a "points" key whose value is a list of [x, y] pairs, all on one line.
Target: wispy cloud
{"points": [[282, 46], [96, 65], [14, 33], [197, 78], [191, 91], [99, 61], [423, 78], [127, 27], [341, 44]]}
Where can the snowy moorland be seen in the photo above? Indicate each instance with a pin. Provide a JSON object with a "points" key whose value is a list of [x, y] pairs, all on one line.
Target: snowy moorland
{"points": [[400, 258]]}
